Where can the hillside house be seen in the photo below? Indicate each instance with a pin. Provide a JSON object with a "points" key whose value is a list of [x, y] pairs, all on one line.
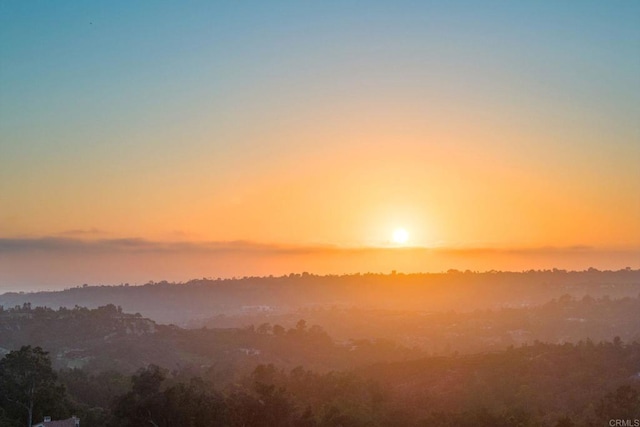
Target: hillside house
{"points": [[48, 422]]}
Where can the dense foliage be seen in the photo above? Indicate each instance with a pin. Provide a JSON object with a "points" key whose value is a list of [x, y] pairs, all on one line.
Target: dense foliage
{"points": [[536, 385], [108, 339], [28, 386]]}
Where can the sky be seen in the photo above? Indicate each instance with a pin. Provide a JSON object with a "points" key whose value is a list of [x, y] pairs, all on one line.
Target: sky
{"points": [[173, 140]]}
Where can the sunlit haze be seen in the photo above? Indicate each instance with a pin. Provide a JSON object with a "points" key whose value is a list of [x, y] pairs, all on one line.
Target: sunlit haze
{"points": [[400, 236], [169, 141]]}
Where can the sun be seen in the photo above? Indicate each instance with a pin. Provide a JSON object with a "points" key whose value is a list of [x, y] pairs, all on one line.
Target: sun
{"points": [[400, 236]]}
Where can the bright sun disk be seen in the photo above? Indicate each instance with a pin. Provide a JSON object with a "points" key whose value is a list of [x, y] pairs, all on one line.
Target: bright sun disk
{"points": [[400, 236]]}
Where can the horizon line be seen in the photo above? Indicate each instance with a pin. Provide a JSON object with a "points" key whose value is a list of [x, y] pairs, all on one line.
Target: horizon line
{"points": [[451, 271], [60, 244]]}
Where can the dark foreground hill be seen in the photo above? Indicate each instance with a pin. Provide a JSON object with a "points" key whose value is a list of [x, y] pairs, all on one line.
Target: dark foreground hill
{"points": [[586, 384], [297, 375]]}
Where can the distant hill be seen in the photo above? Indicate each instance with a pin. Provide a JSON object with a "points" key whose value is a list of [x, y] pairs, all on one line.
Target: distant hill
{"points": [[561, 320], [180, 303]]}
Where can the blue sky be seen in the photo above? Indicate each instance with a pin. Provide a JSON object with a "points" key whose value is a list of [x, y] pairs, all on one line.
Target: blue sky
{"points": [[322, 123]]}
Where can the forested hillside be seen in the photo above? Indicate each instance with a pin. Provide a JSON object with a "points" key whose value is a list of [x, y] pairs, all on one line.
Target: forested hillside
{"points": [[108, 339], [542, 385], [446, 359], [195, 300]]}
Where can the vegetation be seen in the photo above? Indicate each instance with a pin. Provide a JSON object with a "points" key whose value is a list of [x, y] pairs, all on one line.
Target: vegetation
{"points": [[572, 360], [180, 303], [107, 339], [540, 385], [28, 386]]}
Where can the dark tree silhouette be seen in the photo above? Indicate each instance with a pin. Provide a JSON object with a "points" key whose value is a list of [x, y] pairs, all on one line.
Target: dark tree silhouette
{"points": [[27, 382], [624, 403]]}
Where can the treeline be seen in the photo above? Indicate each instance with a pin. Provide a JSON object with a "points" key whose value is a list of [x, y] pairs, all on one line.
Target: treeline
{"points": [[180, 303], [295, 374], [540, 385], [563, 319], [107, 339]]}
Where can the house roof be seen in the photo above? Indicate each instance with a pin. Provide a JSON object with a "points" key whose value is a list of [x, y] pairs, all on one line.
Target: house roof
{"points": [[70, 422]]}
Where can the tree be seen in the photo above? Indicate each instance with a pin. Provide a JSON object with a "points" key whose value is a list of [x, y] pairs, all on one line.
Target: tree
{"points": [[187, 405], [624, 403], [142, 405], [278, 330], [28, 383], [301, 326]]}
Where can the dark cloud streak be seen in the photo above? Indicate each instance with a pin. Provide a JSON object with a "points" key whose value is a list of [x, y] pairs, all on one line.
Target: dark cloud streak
{"points": [[67, 245], [82, 232]]}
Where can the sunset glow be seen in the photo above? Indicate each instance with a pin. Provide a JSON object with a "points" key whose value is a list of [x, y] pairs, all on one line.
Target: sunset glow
{"points": [[488, 130], [319, 213], [400, 236]]}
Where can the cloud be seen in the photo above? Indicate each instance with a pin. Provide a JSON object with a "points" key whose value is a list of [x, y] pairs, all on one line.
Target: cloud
{"points": [[82, 232], [65, 245], [60, 245], [68, 245], [542, 250]]}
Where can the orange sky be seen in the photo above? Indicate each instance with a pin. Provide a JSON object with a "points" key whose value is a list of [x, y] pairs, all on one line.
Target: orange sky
{"points": [[501, 128], [464, 189]]}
